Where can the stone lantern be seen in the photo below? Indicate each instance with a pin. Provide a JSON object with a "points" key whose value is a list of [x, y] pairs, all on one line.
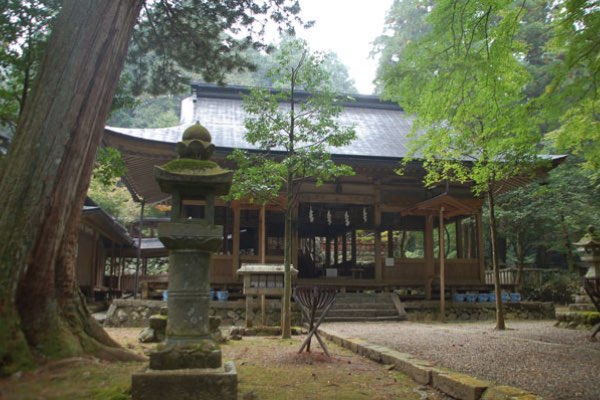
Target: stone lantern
{"points": [[188, 365], [589, 250]]}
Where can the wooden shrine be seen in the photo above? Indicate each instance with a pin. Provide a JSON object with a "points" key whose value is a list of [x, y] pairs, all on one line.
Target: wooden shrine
{"points": [[375, 230]]}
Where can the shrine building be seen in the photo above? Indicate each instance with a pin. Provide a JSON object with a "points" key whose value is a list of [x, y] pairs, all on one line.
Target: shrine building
{"points": [[376, 230]]}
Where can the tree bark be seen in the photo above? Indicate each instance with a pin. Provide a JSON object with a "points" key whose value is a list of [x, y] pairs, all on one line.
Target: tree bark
{"points": [[493, 238], [568, 244], [46, 177]]}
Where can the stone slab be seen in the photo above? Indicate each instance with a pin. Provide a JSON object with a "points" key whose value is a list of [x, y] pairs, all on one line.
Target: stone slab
{"points": [[457, 385], [508, 393], [186, 384]]}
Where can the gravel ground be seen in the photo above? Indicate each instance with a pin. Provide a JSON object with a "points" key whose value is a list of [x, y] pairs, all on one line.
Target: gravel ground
{"points": [[555, 363]]}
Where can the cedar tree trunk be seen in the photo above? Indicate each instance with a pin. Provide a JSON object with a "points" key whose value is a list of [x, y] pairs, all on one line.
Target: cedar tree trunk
{"points": [[43, 186]]}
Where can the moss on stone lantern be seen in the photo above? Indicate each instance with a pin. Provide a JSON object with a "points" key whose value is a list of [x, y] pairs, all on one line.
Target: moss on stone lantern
{"points": [[189, 358], [589, 250]]}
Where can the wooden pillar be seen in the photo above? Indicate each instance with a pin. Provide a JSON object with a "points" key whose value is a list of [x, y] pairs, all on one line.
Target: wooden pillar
{"points": [[262, 235], [378, 261], [353, 247], [249, 310], [442, 237], [236, 237], [377, 236], [459, 239], [327, 251], [335, 250], [480, 248], [429, 257], [345, 248]]}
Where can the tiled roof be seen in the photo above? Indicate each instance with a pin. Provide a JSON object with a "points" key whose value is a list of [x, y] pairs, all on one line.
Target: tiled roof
{"points": [[381, 128]]}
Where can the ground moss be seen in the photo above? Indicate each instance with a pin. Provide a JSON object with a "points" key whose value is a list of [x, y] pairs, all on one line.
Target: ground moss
{"points": [[189, 166]]}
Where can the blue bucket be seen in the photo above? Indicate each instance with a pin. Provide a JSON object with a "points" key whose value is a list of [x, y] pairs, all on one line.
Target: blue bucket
{"points": [[470, 297], [483, 297], [222, 295], [493, 297], [458, 297], [165, 295], [515, 297], [505, 297], [211, 295]]}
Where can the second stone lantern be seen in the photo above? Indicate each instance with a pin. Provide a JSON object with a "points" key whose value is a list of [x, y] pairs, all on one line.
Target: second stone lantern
{"points": [[190, 359]]}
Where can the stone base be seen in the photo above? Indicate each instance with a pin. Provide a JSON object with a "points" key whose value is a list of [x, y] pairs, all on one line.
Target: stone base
{"points": [[198, 355], [186, 384]]}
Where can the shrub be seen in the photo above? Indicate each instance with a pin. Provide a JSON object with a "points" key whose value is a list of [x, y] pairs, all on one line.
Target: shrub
{"points": [[555, 287]]}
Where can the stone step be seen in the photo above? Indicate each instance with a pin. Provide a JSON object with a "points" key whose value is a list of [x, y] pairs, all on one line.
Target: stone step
{"points": [[349, 306], [357, 319], [362, 312]]}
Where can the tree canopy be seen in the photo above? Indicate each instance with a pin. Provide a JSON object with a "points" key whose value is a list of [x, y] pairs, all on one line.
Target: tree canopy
{"points": [[295, 126]]}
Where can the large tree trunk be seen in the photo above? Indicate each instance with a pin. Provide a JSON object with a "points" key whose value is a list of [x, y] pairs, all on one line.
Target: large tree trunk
{"points": [[493, 238], [43, 186]]}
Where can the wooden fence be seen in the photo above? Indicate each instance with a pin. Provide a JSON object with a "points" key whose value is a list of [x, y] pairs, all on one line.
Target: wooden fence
{"points": [[531, 276]]}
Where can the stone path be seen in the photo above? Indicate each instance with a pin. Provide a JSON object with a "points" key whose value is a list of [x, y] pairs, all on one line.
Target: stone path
{"points": [[555, 363]]}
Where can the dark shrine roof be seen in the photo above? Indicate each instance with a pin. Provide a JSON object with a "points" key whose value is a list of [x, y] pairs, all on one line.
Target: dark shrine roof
{"points": [[381, 127], [382, 130]]}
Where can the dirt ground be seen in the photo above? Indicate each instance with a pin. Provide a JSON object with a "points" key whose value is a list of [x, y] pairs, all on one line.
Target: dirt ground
{"points": [[268, 368]]}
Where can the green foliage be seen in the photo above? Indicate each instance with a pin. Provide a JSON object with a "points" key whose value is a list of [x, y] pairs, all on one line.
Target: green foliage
{"points": [[115, 199], [559, 288], [265, 61], [465, 83], [107, 190], [574, 93], [295, 138], [148, 112], [404, 24], [109, 165], [550, 216], [24, 27], [177, 38]]}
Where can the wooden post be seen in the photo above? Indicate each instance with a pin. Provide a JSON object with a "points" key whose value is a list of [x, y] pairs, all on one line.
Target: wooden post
{"points": [[377, 244], [459, 239], [353, 249], [345, 248], [236, 237], [249, 300], [480, 244], [429, 256], [442, 238], [335, 250], [327, 251], [377, 236], [262, 235], [262, 310]]}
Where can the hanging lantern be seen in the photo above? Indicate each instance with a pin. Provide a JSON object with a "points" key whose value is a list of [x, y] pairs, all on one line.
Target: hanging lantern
{"points": [[311, 215], [347, 218], [328, 217], [364, 214]]}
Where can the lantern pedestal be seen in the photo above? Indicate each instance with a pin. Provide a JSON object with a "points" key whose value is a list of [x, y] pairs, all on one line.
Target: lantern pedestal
{"points": [[188, 365]]}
